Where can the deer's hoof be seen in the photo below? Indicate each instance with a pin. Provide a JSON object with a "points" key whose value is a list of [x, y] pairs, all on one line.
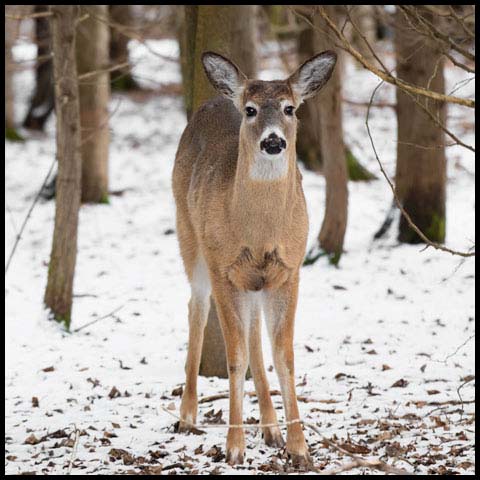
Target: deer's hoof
{"points": [[185, 427], [234, 456], [273, 437], [301, 461]]}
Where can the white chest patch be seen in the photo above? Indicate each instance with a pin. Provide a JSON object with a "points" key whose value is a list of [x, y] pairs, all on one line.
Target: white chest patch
{"points": [[269, 167]]}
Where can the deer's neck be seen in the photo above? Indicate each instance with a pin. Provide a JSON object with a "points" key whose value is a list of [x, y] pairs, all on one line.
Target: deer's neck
{"points": [[264, 193]]}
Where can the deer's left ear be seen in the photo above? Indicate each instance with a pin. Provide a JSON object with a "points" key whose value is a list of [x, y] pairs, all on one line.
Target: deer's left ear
{"points": [[312, 75]]}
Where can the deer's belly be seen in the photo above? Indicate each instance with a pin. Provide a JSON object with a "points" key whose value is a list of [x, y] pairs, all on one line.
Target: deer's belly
{"points": [[267, 271]]}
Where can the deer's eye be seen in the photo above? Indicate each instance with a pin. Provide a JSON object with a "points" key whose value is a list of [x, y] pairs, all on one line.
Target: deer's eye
{"points": [[250, 111], [288, 110]]}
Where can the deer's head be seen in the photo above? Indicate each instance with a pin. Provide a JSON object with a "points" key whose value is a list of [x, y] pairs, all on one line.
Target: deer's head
{"points": [[269, 123]]}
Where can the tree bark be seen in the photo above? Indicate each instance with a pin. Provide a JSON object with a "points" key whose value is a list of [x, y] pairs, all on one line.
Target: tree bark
{"points": [[122, 78], [308, 135], [421, 172], [226, 29], [329, 105], [93, 55], [231, 31], [42, 102], [9, 69], [58, 294]]}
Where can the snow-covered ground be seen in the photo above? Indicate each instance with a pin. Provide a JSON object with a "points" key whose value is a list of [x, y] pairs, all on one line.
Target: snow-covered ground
{"points": [[384, 343]]}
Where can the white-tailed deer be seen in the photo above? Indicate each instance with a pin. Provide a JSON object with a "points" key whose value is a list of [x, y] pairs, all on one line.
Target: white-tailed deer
{"points": [[242, 227]]}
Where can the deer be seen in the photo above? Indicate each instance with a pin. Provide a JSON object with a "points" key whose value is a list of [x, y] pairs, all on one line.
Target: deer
{"points": [[242, 228]]}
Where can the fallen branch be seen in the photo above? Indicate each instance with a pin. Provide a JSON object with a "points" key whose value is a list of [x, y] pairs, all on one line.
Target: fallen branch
{"points": [[225, 395], [98, 319], [74, 451], [375, 464]]}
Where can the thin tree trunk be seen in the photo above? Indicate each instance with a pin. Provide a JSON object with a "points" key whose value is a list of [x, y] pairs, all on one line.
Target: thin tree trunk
{"points": [[329, 104], [93, 55], [229, 30], [58, 294], [9, 68], [122, 78], [421, 172], [308, 135], [42, 102], [188, 35]]}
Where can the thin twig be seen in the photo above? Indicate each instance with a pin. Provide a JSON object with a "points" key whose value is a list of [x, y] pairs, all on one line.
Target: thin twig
{"points": [[300, 398], [98, 319], [471, 379], [93, 73], [385, 76], [412, 225], [27, 217], [376, 464], [28, 15], [74, 451]]}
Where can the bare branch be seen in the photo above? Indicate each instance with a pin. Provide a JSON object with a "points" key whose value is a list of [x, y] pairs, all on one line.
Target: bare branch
{"points": [[412, 225], [27, 217], [385, 76], [28, 15]]}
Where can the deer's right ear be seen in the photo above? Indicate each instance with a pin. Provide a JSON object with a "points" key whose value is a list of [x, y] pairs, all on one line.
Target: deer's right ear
{"points": [[223, 74]]}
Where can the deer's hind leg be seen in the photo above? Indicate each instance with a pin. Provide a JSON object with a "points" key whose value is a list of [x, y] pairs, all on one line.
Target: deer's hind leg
{"points": [[280, 306], [272, 435], [198, 308]]}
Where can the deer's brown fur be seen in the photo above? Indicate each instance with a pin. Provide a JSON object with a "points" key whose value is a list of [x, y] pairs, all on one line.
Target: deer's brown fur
{"points": [[242, 235]]}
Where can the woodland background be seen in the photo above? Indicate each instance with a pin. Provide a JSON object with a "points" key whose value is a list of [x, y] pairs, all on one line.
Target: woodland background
{"points": [[96, 98]]}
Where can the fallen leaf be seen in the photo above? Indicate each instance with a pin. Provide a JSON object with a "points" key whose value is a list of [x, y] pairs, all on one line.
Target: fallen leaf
{"points": [[31, 440], [114, 393], [402, 383]]}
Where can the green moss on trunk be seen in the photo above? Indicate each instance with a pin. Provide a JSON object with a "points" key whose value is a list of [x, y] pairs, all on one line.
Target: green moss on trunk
{"points": [[65, 321], [436, 231], [12, 135], [356, 171]]}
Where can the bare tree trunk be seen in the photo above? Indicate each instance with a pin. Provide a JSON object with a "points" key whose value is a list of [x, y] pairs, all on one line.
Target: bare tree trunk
{"points": [[421, 172], [42, 102], [229, 30], [226, 29], [122, 78], [188, 35], [308, 135], [93, 55], [329, 104], [9, 68], [58, 294]]}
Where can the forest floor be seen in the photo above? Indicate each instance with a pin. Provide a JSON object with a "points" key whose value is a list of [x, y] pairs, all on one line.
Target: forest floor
{"points": [[384, 344]]}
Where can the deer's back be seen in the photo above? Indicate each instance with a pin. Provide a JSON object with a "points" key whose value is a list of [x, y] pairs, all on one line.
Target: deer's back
{"points": [[208, 150]]}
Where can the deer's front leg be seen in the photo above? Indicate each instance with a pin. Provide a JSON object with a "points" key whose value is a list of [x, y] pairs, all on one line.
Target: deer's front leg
{"points": [[280, 306], [235, 331]]}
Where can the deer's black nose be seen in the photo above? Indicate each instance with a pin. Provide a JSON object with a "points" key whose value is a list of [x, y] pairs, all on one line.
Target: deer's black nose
{"points": [[273, 144]]}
